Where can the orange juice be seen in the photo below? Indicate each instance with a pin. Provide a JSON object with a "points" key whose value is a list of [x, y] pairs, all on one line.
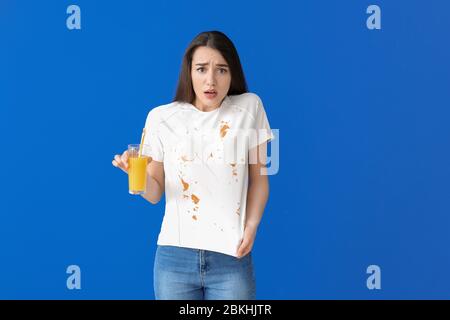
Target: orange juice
{"points": [[137, 174]]}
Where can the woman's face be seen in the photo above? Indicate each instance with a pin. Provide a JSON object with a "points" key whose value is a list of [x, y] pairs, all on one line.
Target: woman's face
{"points": [[211, 78]]}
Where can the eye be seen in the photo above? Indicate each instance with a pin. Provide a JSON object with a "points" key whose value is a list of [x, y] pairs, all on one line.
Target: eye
{"points": [[223, 70], [200, 69]]}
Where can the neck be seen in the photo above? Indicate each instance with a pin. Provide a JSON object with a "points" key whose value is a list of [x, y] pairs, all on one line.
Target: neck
{"points": [[200, 106]]}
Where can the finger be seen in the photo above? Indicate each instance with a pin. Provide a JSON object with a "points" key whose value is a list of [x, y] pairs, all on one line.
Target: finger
{"points": [[239, 250], [124, 159], [120, 163], [242, 253], [114, 163], [242, 249], [118, 160]]}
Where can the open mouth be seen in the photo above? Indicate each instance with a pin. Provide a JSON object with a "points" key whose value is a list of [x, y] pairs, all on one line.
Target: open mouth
{"points": [[211, 94]]}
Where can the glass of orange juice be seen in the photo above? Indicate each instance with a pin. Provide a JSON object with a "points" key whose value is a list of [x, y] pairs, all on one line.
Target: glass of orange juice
{"points": [[137, 170]]}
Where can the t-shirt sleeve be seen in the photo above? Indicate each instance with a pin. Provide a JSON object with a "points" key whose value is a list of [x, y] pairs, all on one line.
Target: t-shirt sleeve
{"points": [[261, 131], [153, 146]]}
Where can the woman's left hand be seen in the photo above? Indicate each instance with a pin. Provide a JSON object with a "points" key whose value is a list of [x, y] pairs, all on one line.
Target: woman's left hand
{"points": [[247, 242]]}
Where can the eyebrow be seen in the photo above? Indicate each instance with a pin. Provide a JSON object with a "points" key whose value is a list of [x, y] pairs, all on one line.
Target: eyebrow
{"points": [[206, 63]]}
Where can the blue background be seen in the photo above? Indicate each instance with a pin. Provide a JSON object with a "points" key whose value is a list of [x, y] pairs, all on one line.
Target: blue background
{"points": [[364, 143]]}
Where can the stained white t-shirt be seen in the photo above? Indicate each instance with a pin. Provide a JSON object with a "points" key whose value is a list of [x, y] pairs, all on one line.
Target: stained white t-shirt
{"points": [[206, 157]]}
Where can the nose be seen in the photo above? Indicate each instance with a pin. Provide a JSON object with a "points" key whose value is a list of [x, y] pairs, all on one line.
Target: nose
{"points": [[210, 78]]}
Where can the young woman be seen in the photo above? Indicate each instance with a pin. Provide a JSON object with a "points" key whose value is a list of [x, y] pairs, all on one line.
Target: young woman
{"points": [[208, 155]]}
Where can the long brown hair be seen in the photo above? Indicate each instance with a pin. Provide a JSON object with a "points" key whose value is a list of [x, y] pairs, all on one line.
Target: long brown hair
{"points": [[215, 40]]}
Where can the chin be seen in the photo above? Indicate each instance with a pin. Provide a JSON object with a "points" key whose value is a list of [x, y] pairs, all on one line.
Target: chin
{"points": [[212, 103]]}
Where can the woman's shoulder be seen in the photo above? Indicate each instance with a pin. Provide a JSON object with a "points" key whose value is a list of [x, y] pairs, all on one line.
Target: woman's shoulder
{"points": [[248, 101], [245, 98], [161, 111]]}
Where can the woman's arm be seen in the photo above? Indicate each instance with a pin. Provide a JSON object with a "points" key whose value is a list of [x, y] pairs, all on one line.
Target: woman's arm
{"points": [[155, 182], [258, 193]]}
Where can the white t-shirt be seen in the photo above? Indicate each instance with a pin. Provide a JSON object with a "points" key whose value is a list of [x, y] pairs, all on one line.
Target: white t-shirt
{"points": [[206, 156]]}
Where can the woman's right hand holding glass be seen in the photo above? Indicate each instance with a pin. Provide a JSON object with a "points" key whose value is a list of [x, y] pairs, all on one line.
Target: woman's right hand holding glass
{"points": [[121, 161]]}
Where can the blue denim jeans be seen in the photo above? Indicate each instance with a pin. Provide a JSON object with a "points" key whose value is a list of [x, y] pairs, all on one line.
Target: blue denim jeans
{"points": [[194, 274]]}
